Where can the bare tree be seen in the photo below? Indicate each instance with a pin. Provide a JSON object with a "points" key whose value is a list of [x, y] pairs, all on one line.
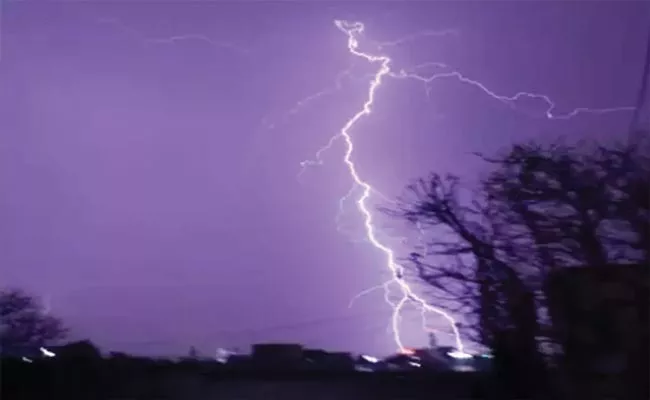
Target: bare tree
{"points": [[540, 208], [575, 207], [467, 257], [23, 324], [469, 262]]}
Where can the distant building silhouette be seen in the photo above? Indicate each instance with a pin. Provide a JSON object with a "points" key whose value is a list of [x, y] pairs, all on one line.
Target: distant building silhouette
{"points": [[277, 355]]}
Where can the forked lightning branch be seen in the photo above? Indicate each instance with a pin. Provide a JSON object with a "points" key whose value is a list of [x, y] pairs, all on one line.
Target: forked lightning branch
{"points": [[354, 32]]}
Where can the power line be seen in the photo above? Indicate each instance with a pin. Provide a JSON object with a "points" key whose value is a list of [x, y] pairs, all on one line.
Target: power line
{"points": [[301, 324], [279, 327], [245, 336]]}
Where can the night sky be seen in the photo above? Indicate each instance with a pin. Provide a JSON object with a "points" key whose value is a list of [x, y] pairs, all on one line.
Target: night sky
{"points": [[150, 152]]}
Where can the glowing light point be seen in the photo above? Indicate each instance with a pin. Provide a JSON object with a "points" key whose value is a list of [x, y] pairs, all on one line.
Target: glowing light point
{"points": [[459, 355], [370, 359], [407, 351], [46, 353]]}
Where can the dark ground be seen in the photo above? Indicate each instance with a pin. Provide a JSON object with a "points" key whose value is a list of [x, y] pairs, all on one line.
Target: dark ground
{"points": [[142, 379]]}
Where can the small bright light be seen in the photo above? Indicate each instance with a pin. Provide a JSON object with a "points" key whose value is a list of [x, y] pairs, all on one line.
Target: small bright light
{"points": [[464, 368], [487, 356], [408, 352], [459, 355], [370, 359], [413, 363], [27, 360], [47, 353], [223, 355]]}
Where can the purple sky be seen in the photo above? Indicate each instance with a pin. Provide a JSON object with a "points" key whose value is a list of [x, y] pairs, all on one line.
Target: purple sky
{"points": [[150, 179]]}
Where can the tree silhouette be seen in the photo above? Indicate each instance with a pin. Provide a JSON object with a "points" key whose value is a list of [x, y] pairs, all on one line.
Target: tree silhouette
{"points": [[24, 325], [573, 207], [539, 208]]}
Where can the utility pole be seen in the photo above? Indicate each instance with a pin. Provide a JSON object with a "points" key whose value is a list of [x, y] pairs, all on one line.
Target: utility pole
{"points": [[641, 118], [433, 341], [193, 354]]}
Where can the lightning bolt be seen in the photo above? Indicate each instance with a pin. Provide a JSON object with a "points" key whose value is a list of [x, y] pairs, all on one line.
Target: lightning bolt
{"points": [[508, 100], [340, 214], [353, 31], [300, 104], [385, 286], [415, 36], [341, 228], [217, 45]]}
